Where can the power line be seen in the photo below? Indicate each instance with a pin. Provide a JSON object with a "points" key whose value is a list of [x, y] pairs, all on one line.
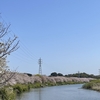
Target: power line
{"points": [[24, 51], [23, 45]]}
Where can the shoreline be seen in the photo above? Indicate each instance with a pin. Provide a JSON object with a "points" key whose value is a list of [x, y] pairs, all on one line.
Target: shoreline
{"points": [[20, 83]]}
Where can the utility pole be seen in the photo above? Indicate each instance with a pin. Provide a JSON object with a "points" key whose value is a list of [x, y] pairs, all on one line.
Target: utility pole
{"points": [[78, 74], [40, 68], [99, 72]]}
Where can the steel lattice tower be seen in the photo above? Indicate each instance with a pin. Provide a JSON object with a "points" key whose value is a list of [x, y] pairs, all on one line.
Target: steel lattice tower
{"points": [[40, 68]]}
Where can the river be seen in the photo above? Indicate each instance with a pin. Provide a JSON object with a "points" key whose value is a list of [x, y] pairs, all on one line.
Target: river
{"points": [[64, 92]]}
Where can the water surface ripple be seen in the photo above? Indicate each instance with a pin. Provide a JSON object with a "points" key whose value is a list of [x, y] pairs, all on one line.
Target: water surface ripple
{"points": [[65, 92]]}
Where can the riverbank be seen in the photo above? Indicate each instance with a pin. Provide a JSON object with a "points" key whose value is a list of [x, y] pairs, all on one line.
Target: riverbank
{"points": [[64, 92], [20, 83], [20, 78], [93, 85]]}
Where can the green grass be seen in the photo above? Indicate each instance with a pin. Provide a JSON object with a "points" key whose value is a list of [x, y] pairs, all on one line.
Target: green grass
{"points": [[10, 92], [7, 94], [88, 85], [94, 85]]}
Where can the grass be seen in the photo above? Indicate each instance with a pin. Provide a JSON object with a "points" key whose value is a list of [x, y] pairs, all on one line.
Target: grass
{"points": [[10, 92], [93, 85], [7, 93], [88, 85]]}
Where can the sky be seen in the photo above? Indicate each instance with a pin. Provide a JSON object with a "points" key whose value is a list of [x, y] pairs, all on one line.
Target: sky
{"points": [[65, 34]]}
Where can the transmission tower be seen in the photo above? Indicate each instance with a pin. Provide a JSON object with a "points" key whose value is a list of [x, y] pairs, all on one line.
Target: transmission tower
{"points": [[40, 68]]}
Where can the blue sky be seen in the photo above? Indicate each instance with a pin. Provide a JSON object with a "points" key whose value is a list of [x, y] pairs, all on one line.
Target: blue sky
{"points": [[64, 33]]}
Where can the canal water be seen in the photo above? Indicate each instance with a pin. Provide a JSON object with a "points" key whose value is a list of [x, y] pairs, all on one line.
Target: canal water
{"points": [[64, 92]]}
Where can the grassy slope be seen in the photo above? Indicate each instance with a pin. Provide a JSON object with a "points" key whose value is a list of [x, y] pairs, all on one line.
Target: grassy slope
{"points": [[93, 85]]}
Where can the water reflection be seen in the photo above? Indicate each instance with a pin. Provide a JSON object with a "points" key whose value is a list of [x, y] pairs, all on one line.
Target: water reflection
{"points": [[19, 97], [67, 92], [35, 93], [40, 94]]}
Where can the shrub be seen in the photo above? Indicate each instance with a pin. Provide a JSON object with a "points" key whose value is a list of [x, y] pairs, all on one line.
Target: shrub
{"points": [[19, 88], [7, 93], [88, 85]]}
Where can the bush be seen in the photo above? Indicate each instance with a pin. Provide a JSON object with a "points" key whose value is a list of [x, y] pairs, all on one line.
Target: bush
{"points": [[37, 85], [19, 88], [88, 85], [7, 93]]}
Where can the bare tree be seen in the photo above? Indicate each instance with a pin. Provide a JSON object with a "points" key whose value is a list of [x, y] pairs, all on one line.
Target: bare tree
{"points": [[6, 48]]}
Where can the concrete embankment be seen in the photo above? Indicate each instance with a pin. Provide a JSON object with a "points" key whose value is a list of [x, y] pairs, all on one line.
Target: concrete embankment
{"points": [[20, 78]]}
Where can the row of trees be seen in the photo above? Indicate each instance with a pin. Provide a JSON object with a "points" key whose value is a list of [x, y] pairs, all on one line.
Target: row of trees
{"points": [[80, 75], [56, 74]]}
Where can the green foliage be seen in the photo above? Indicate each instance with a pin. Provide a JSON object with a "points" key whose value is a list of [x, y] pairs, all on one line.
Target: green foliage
{"points": [[37, 85], [38, 75], [88, 85], [7, 94], [56, 74], [95, 81], [82, 75], [92, 84], [53, 74], [59, 74], [28, 74], [19, 88], [49, 84]]}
